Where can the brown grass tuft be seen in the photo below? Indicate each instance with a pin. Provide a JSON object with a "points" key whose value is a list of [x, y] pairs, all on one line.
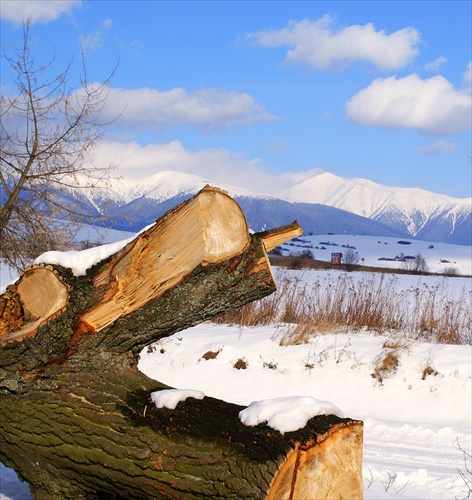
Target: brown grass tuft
{"points": [[387, 361], [210, 355], [427, 371], [241, 364]]}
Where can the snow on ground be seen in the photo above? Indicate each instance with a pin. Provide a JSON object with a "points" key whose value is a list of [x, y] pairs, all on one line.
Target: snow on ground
{"points": [[439, 256], [412, 425], [415, 418]]}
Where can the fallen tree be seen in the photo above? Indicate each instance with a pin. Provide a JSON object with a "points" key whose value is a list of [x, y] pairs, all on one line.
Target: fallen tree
{"points": [[76, 415]]}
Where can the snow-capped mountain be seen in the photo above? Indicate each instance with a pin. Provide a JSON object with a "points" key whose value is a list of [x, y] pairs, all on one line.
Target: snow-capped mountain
{"points": [[323, 203], [417, 211], [158, 188], [413, 207]]}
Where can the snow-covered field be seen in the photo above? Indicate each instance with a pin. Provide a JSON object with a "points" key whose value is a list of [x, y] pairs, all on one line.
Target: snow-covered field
{"points": [[416, 419], [412, 425], [382, 251]]}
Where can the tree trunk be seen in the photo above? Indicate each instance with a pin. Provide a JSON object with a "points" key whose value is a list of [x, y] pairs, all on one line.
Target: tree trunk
{"points": [[77, 420]]}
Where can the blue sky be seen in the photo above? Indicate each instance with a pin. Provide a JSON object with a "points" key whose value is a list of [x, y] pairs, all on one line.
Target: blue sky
{"points": [[266, 94]]}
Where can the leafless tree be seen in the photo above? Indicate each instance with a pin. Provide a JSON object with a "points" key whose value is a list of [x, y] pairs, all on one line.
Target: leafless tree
{"points": [[48, 132], [350, 258], [417, 264]]}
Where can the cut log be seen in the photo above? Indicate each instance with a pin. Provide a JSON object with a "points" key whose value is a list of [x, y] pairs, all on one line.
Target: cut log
{"points": [[312, 470], [39, 296], [76, 418], [208, 229]]}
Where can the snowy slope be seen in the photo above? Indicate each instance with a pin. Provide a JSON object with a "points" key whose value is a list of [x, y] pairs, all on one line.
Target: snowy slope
{"points": [[159, 187], [367, 198], [412, 425], [381, 252], [163, 185], [408, 208]]}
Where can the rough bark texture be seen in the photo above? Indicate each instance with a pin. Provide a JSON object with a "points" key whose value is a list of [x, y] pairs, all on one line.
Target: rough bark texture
{"points": [[76, 416]]}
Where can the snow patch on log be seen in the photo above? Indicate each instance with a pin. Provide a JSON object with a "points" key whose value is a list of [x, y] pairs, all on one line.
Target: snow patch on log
{"points": [[170, 398], [79, 261], [287, 414]]}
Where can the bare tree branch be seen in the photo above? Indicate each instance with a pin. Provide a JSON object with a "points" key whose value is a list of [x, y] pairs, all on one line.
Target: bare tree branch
{"points": [[48, 131]]}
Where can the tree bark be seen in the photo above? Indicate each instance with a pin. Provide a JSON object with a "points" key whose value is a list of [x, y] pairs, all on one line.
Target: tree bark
{"points": [[77, 420]]}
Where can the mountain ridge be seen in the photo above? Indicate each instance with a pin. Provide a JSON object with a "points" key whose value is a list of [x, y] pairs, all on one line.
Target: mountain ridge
{"points": [[374, 201], [402, 212]]}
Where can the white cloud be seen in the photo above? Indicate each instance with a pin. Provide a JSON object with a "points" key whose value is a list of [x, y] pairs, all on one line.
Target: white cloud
{"points": [[435, 65], [468, 76], [96, 39], [292, 178], [322, 45], [277, 145], [431, 106], [209, 109], [437, 147], [37, 11], [218, 166]]}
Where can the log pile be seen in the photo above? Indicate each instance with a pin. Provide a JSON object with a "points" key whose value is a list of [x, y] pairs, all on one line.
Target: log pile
{"points": [[76, 418]]}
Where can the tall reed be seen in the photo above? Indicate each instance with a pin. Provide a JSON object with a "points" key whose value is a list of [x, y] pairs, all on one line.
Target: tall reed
{"points": [[366, 301]]}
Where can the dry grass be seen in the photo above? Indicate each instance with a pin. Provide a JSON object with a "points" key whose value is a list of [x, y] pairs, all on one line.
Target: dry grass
{"points": [[210, 355], [387, 361], [241, 364], [386, 364], [370, 302], [428, 370]]}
